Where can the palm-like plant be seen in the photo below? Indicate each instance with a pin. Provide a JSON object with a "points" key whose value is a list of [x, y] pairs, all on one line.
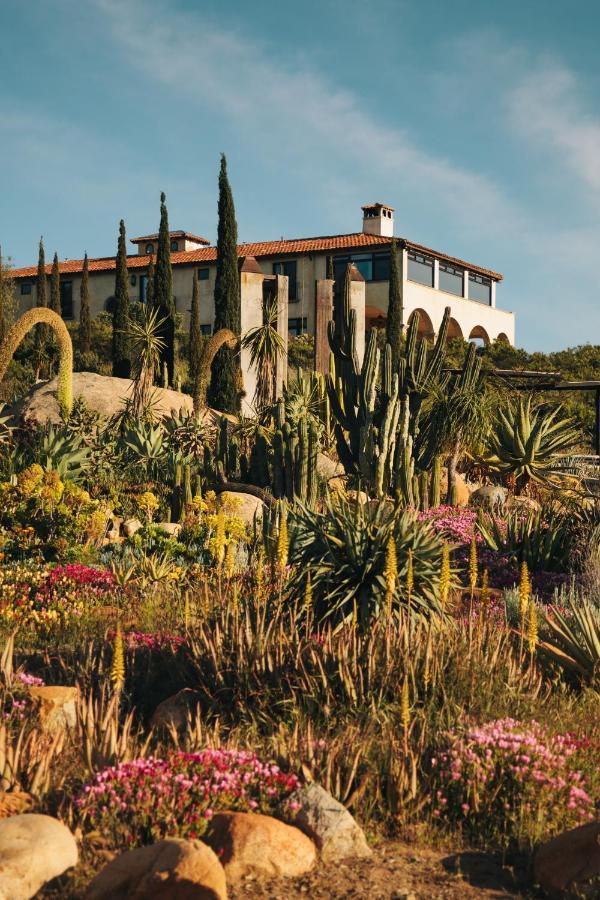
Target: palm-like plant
{"points": [[573, 639], [527, 442], [265, 345], [344, 549], [147, 346]]}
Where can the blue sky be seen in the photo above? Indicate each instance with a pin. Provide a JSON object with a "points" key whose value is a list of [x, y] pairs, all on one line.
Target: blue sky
{"points": [[478, 121]]}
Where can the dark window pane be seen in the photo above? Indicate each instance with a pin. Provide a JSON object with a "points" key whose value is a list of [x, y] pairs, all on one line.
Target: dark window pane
{"points": [[290, 269], [420, 269], [339, 268], [364, 264], [203, 274], [297, 326], [381, 267], [174, 246], [480, 288], [451, 280], [25, 289], [143, 288], [206, 329], [149, 248], [66, 299]]}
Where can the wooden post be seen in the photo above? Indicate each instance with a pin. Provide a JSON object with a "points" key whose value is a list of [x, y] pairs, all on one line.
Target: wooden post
{"points": [[323, 315]]}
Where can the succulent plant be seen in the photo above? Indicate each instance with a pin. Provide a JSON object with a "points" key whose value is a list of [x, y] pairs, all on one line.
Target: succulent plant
{"points": [[572, 638]]}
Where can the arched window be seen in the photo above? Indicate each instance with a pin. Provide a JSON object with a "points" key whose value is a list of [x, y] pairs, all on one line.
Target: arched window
{"points": [[149, 248], [174, 246]]}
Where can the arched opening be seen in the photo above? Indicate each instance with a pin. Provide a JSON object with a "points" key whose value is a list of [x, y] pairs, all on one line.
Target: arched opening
{"points": [[374, 318], [479, 336], [502, 337], [425, 324], [454, 330]]}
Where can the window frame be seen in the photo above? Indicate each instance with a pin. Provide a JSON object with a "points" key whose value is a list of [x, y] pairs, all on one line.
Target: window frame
{"points": [[174, 249], [303, 320], [206, 329], [454, 272], [293, 295], [484, 281], [422, 259], [149, 250], [201, 274], [29, 291], [71, 308]]}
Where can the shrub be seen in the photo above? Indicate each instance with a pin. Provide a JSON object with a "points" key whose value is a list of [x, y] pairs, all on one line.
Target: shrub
{"points": [[510, 782], [142, 801]]}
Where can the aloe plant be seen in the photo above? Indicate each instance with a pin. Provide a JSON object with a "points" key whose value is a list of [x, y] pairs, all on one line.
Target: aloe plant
{"points": [[527, 442], [572, 639], [542, 539]]}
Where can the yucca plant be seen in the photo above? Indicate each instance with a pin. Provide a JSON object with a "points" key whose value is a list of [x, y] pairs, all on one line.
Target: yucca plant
{"points": [[527, 442], [345, 549], [572, 639], [265, 346]]}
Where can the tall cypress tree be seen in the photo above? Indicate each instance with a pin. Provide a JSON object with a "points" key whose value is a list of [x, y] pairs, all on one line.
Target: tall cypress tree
{"points": [[85, 321], [223, 393], [121, 359], [150, 283], [163, 291], [195, 335], [55, 287], [329, 268], [42, 297], [395, 315]]}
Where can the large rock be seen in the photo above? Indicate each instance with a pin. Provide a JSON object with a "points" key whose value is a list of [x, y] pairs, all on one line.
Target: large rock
{"points": [[490, 497], [173, 869], [33, 850], [173, 712], [102, 393], [328, 823], [131, 527], [249, 844], [244, 506], [172, 529], [56, 706], [570, 860], [328, 468]]}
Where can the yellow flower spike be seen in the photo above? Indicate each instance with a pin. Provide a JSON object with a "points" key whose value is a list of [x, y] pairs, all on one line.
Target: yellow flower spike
{"points": [[308, 598], [532, 627], [485, 595], [473, 567], [410, 577], [283, 544], [444, 584], [229, 561], [405, 705], [186, 612], [524, 592], [235, 600], [219, 541], [260, 574], [390, 573], [117, 669]]}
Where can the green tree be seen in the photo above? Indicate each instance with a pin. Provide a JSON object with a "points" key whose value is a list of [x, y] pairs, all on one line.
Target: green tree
{"points": [[85, 321], [150, 284], [41, 277], [395, 315], [329, 268], [163, 292], [195, 334], [55, 287], [121, 356], [224, 392]]}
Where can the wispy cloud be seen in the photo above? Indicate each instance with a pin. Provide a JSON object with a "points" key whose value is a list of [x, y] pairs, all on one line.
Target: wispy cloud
{"points": [[548, 110], [321, 128]]}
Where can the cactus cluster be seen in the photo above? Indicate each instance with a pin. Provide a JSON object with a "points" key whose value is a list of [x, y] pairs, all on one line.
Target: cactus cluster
{"points": [[376, 409], [294, 460]]}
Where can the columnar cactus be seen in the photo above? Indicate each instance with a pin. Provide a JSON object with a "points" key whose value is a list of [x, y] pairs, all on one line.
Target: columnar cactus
{"points": [[36, 316]]}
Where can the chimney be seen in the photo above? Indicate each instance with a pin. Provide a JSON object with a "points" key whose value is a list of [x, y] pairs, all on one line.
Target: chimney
{"points": [[378, 219]]}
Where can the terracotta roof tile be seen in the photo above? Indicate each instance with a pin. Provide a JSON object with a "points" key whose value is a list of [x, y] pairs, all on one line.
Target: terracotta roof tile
{"points": [[172, 234], [356, 241]]}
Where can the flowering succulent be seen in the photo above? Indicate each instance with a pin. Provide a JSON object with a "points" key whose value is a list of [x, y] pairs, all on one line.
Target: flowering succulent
{"points": [[145, 800], [500, 779]]}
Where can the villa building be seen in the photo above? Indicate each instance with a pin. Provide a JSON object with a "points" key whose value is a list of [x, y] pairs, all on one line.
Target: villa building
{"points": [[431, 280]]}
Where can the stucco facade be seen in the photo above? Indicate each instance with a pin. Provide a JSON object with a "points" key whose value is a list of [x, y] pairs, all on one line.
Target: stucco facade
{"points": [[305, 261]]}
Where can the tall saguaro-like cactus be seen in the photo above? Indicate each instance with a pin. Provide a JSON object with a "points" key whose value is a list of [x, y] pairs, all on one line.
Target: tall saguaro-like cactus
{"points": [[376, 430], [36, 316]]}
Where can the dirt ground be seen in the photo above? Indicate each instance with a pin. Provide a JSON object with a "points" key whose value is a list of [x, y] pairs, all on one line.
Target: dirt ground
{"points": [[399, 871]]}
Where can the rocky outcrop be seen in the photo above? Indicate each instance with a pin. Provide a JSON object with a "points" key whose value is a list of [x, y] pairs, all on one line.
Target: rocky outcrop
{"points": [[328, 823], [568, 861], [173, 868], [249, 844], [243, 506], [56, 706], [33, 850]]}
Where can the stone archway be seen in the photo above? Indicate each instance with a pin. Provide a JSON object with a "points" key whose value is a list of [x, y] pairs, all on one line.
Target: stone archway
{"points": [[426, 329], [454, 330], [479, 336], [503, 338]]}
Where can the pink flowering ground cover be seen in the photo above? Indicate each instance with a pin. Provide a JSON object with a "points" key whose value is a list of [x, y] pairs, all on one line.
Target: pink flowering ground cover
{"points": [[511, 782], [142, 801]]}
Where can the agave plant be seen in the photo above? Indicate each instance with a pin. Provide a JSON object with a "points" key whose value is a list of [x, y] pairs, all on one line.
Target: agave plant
{"points": [[572, 639], [527, 442], [344, 549], [542, 539], [63, 451], [147, 444]]}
